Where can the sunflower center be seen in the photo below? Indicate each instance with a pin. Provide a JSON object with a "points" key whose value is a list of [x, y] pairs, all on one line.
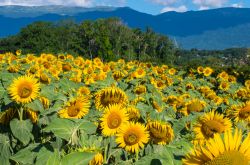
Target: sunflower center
{"points": [[73, 110], [245, 112], [140, 72], [114, 121], [229, 158], [131, 139], [25, 91], [159, 84], [209, 128], [195, 107]]}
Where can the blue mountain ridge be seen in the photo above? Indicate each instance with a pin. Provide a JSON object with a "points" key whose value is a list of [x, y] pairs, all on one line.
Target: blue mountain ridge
{"points": [[191, 29]]}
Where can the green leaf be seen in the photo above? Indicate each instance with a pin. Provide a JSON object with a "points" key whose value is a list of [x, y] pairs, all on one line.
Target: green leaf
{"points": [[22, 130], [61, 128], [86, 126], [36, 105], [25, 156], [43, 156], [78, 158], [5, 146], [54, 159]]}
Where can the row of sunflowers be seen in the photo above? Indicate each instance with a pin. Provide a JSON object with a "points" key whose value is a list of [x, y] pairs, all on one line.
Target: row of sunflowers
{"points": [[61, 109]]}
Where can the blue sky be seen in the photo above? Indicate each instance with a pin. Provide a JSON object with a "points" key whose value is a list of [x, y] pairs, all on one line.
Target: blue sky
{"points": [[147, 6]]}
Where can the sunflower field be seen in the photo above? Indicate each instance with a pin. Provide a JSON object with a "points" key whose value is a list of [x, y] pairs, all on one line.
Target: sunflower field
{"points": [[61, 110]]}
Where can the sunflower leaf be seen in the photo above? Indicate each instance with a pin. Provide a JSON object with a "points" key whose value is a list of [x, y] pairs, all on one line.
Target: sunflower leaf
{"points": [[61, 127], [36, 105], [77, 158], [22, 130]]}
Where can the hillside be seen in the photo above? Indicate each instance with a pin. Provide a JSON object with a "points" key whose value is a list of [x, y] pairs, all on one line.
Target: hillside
{"points": [[192, 29]]}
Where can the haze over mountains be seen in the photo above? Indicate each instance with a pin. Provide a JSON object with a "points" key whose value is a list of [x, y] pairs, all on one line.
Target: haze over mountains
{"points": [[208, 29]]}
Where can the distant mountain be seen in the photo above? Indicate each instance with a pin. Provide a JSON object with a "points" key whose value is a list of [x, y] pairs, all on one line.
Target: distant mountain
{"points": [[209, 29]]}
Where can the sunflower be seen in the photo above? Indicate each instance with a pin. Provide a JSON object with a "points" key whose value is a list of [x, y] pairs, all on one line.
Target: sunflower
{"points": [[133, 113], [194, 105], [132, 137], [224, 85], [229, 150], [110, 95], [24, 89], [76, 108], [240, 112], [160, 133], [223, 75], [32, 115], [172, 71], [140, 89], [209, 124], [44, 78], [45, 101], [112, 119], [139, 73], [7, 115], [97, 160], [118, 75], [207, 71], [83, 91], [200, 69]]}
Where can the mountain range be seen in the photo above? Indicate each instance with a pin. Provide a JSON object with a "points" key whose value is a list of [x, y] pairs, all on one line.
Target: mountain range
{"points": [[207, 29]]}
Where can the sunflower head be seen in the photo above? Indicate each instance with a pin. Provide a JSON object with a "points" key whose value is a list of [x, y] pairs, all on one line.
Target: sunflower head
{"points": [[208, 71], [97, 160], [76, 108], [110, 95], [229, 150], [160, 133], [133, 113], [24, 89], [240, 112], [194, 105], [200, 69], [132, 137], [112, 119], [224, 85], [209, 124], [140, 89]]}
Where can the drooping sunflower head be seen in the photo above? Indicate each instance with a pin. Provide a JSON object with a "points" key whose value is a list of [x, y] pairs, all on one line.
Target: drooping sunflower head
{"points": [[24, 89], [132, 137], [97, 160], [160, 133], [75, 108], [194, 105], [110, 95], [133, 113], [7, 115], [209, 124], [112, 119], [240, 112], [230, 150], [140, 89], [83, 91]]}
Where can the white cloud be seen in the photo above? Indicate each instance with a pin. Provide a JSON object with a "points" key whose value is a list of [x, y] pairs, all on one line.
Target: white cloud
{"points": [[182, 8], [164, 2], [110, 3], [206, 4], [237, 5], [46, 2]]}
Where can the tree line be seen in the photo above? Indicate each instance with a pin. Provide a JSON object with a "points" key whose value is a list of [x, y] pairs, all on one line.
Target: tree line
{"points": [[110, 39]]}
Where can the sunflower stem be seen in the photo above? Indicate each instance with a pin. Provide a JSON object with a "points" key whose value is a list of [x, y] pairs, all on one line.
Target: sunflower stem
{"points": [[20, 113], [105, 153], [136, 156]]}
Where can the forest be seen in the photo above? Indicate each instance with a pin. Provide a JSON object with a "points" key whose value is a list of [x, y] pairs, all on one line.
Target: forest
{"points": [[111, 39]]}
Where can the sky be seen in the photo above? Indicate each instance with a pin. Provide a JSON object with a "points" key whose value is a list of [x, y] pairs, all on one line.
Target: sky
{"points": [[147, 6]]}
